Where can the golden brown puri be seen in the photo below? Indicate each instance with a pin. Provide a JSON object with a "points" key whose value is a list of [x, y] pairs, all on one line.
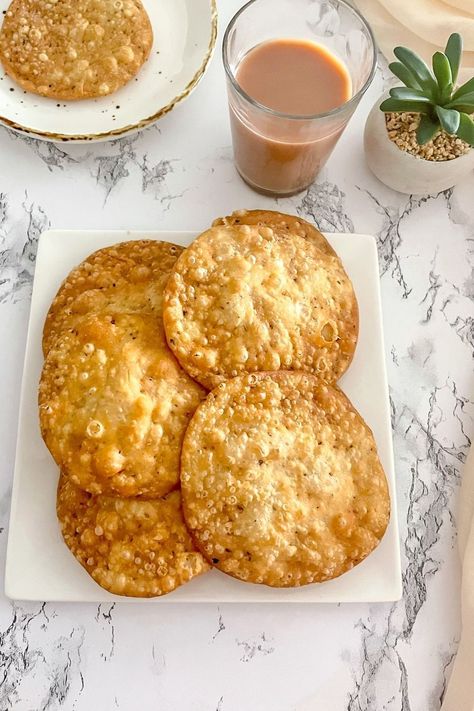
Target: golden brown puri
{"points": [[245, 299], [129, 546], [281, 481], [114, 405], [74, 49], [280, 222], [128, 277]]}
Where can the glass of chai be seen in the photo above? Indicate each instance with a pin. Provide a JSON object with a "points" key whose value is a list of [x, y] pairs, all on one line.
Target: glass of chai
{"points": [[296, 71]]}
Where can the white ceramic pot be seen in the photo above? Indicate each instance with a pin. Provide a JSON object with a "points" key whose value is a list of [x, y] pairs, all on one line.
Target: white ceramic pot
{"points": [[403, 171]]}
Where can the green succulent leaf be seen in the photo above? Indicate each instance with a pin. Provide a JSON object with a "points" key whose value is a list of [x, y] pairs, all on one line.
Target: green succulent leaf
{"points": [[462, 103], [442, 72], [453, 52], [465, 108], [404, 74], [466, 88], [466, 129], [447, 94], [402, 105], [448, 118], [419, 68], [400, 92], [426, 130]]}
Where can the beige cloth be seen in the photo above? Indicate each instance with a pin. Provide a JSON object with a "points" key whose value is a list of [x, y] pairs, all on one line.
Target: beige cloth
{"points": [[460, 692], [422, 25]]}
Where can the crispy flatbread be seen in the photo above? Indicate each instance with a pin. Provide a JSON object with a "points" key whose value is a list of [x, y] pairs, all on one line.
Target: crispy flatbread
{"points": [[114, 405], [280, 222], [74, 49], [128, 277], [246, 298], [281, 481], [129, 546]]}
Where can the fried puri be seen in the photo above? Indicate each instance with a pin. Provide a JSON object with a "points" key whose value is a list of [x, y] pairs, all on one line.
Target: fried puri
{"points": [[246, 298], [129, 546], [128, 277], [281, 481], [74, 49], [280, 222], [114, 405]]}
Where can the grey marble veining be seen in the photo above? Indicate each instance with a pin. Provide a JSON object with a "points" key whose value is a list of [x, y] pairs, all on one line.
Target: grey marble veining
{"points": [[392, 657], [51, 154], [18, 250], [259, 645], [323, 203]]}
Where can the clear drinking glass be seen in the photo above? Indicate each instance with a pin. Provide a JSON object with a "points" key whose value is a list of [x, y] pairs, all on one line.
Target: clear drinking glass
{"points": [[277, 153]]}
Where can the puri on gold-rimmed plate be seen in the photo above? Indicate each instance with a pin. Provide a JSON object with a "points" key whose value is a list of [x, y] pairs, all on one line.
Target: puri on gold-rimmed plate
{"points": [[184, 33]]}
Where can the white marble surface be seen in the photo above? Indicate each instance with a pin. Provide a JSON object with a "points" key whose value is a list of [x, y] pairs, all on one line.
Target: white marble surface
{"points": [[179, 175]]}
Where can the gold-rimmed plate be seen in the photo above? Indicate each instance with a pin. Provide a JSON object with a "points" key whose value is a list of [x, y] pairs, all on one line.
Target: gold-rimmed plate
{"points": [[185, 34]]}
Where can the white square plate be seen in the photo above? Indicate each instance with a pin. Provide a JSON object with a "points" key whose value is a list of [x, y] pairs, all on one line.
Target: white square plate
{"points": [[40, 567]]}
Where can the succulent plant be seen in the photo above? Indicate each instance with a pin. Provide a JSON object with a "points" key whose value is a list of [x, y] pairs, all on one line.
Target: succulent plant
{"points": [[434, 94]]}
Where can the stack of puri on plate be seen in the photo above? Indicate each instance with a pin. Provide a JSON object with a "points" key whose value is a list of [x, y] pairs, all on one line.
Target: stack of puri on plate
{"points": [[189, 398]]}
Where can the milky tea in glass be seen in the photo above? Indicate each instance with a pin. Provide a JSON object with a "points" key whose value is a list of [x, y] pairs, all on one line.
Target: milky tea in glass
{"points": [[292, 91]]}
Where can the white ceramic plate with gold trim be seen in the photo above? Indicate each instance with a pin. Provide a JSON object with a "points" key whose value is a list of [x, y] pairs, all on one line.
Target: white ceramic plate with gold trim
{"points": [[184, 38], [40, 567]]}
